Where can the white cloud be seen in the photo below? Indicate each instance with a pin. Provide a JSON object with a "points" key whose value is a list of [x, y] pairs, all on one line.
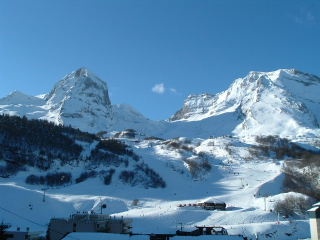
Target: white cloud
{"points": [[159, 88]]}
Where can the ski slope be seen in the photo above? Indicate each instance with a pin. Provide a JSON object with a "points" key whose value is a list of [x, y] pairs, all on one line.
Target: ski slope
{"points": [[248, 187]]}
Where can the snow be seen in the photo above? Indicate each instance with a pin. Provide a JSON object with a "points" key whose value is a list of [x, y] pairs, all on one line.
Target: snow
{"points": [[261, 103], [248, 187], [264, 103], [104, 236], [218, 128]]}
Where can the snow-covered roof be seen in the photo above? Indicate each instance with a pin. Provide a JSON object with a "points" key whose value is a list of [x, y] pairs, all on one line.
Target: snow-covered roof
{"points": [[104, 236], [209, 237], [316, 204], [111, 236], [313, 209]]}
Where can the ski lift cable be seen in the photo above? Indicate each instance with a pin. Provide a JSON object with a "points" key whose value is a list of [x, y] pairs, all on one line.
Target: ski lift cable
{"points": [[24, 218], [31, 221]]}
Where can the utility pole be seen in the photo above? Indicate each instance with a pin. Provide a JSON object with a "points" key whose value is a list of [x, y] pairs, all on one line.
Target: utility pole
{"points": [[102, 205], [181, 226], [44, 194]]}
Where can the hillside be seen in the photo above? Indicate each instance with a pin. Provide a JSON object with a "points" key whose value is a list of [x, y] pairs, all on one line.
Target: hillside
{"points": [[48, 149], [254, 146]]}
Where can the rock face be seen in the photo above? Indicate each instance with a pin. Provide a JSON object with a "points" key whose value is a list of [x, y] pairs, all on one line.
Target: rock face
{"points": [[82, 100], [194, 105]]}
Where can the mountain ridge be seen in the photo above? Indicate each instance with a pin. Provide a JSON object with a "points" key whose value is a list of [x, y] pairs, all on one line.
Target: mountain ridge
{"points": [[257, 97], [82, 100]]}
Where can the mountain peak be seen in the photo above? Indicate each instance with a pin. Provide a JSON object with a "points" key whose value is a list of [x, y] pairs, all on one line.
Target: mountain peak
{"points": [[81, 83], [284, 74], [273, 103], [82, 72], [17, 97], [79, 96]]}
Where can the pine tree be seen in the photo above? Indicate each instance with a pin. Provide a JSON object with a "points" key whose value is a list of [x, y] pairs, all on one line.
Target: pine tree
{"points": [[3, 234]]}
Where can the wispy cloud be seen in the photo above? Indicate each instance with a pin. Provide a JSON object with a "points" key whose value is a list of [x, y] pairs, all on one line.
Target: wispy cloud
{"points": [[159, 88], [305, 16], [173, 90]]}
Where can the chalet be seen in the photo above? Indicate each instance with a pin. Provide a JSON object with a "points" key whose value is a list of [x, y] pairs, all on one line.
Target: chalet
{"points": [[87, 222], [314, 215]]}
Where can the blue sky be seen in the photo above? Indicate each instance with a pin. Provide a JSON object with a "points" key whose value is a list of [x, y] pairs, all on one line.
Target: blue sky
{"points": [[154, 53]]}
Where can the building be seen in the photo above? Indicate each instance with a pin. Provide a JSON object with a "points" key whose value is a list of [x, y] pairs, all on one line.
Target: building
{"points": [[86, 222], [18, 235], [112, 236], [314, 215], [207, 205], [13, 235], [210, 205], [104, 236]]}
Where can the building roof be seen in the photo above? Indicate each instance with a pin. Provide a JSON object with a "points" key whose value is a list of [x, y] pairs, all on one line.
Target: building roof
{"points": [[313, 209], [316, 204], [209, 237], [104, 236], [111, 236]]}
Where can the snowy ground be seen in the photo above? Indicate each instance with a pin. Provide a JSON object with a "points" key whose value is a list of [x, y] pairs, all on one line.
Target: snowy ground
{"points": [[249, 187]]}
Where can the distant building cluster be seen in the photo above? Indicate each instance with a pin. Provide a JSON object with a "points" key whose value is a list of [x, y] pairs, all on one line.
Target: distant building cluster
{"points": [[87, 222]]}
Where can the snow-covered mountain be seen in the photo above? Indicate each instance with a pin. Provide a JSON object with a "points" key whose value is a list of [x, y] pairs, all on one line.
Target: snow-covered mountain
{"points": [[204, 155], [80, 100], [284, 102]]}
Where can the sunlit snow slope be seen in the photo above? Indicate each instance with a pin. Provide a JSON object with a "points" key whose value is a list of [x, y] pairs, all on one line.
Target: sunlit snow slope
{"points": [[284, 102]]}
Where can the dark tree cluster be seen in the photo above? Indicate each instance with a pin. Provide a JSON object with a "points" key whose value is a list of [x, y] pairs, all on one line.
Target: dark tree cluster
{"points": [[116, 147], [301, 168], [292, 205], [99, 156], [112, 152], [107, 176], [36, 143], [278, 147], [142, 175], [127, 177], [3, 232], [85, 175], [302, 175], [51, 179]]}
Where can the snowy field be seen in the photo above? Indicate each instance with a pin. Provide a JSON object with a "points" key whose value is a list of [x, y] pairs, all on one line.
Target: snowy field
{"points": [[248, 187]]}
